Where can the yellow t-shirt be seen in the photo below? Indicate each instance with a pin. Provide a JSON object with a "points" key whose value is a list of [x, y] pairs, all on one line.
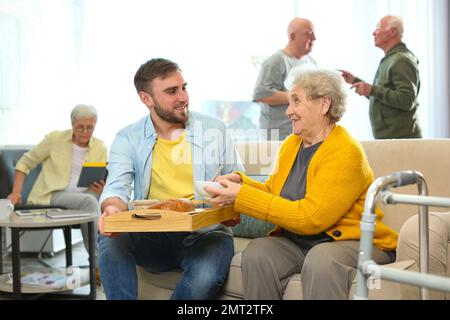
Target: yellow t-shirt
{"points": [[172, 175]]}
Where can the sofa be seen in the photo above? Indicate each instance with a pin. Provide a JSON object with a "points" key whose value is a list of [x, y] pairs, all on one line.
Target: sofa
{"points": [[439, 258], [428, 156]]}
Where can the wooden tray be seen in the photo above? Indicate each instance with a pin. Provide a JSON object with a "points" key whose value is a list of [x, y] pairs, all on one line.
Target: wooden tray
{"points": [[153, 220]]}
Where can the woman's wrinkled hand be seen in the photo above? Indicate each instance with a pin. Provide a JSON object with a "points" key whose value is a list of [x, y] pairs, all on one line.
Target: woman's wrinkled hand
{"points": [[233, 177], [226, 196]]}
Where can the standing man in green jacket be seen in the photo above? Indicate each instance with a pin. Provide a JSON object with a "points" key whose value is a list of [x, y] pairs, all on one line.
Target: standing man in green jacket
{"points": [[393, 94]]}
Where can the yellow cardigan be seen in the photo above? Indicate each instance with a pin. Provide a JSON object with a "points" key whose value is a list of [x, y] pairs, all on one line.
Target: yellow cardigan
{"points": [[337, 180], [55, 154]]}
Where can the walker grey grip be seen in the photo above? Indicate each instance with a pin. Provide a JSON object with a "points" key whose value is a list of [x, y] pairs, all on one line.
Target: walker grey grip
{"points": [[405, 178]]}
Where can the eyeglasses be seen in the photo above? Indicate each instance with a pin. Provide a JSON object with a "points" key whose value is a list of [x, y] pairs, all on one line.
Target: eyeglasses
{"points": [[81, 129]]}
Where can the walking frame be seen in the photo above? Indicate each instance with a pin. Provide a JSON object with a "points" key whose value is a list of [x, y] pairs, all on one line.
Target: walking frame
{"points": [[367, 268]]}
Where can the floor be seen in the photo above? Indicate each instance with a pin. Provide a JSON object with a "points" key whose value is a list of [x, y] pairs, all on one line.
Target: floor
{"points": [[30, 261]]}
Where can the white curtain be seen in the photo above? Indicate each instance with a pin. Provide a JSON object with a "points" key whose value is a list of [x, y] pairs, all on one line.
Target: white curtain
{"points": [[40, 54], [74, 51]]}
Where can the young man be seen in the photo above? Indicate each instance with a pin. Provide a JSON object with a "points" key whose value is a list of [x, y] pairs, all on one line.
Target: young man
{"points": [[159, 157]]}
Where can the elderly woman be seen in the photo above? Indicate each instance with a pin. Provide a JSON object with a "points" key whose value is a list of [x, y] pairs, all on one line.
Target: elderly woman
{"points": [[62, 154], [315, 196]]}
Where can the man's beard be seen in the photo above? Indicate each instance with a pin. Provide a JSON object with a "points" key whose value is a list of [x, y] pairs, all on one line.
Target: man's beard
{"points": [[170, 116]]}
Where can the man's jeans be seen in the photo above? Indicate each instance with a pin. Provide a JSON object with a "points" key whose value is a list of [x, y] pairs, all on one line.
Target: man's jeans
{"points": [[204, 262]]}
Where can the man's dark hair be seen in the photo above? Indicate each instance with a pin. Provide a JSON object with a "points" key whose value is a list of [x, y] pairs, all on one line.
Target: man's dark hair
{"points": [[152, 69]]}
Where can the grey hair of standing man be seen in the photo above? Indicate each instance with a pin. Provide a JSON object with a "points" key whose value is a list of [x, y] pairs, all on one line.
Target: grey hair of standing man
{"points": [[396, 22]]}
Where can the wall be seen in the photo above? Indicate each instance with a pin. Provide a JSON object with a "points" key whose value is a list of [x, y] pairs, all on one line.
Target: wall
{"points": [[447, 67], [40, 52], [57, 53]]}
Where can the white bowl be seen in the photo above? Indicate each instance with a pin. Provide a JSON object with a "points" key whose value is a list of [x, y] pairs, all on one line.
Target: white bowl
{"points": [[199, 185]]}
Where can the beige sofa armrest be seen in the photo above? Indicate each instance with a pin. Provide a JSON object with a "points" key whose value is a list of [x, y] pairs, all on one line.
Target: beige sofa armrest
{"points": [[439, 236]]}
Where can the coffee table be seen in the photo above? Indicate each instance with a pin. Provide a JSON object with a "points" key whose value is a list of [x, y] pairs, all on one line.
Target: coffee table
{"points": [[19, 223]]}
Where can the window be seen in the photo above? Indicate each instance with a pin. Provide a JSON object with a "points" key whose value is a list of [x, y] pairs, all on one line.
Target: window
{"points": [[78, 52], [40, 55]]}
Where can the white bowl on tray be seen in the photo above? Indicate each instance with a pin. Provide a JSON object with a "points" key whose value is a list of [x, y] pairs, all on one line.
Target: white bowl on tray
{"points": [[199, 187]]}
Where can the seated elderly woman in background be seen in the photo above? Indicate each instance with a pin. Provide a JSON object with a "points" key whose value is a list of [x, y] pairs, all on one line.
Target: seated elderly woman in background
{"points": [[315, 196], [62, 154]]}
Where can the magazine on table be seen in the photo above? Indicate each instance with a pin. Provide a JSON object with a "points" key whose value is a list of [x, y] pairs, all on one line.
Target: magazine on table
{"points": [[36, 212], [49, 279], [68, 213]]}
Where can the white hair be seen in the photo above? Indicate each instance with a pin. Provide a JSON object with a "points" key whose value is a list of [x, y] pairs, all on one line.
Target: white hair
{"points": [[83, 111], [317, 83], [396, 22]]}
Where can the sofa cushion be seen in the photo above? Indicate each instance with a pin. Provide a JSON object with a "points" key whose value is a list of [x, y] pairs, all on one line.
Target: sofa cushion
{"points": [[251, 227], [169, 279], [166, 280], [233, 285], [160, 285], [387, 289]]}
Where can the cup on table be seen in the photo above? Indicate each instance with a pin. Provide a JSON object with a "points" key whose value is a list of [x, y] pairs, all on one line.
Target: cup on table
{"points": [[199, 185], [6, 208]]}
